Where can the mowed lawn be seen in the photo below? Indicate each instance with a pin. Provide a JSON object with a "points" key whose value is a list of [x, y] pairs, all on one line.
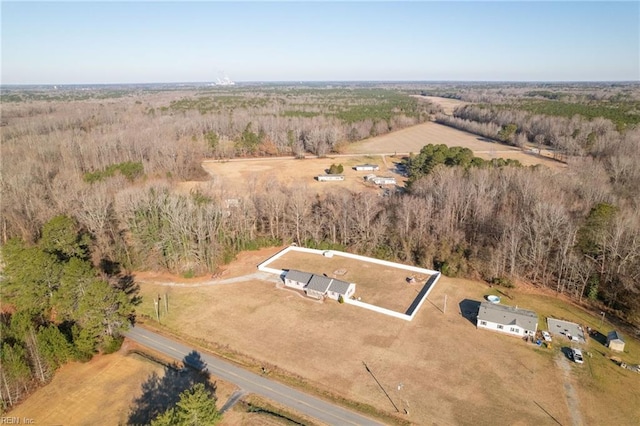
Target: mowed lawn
{"points": [[439, 367], [379, 285]]}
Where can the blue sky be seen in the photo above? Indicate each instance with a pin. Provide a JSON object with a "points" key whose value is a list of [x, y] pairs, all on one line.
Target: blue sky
{"points": [[136, 42]]}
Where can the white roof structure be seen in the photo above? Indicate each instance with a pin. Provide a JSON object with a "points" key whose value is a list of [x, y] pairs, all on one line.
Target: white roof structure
{"points": [[508, 315]]}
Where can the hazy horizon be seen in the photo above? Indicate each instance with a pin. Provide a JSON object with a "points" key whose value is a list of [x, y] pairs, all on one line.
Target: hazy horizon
{"points": [[94, 43]]}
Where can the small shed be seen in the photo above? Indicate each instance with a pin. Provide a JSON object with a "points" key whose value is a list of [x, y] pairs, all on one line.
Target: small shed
{"points": [[615, 342]]}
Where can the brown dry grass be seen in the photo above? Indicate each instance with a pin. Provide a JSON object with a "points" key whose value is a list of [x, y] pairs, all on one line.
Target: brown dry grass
{"points": [[97, 392], [102, 392], [378, 285], [412, 139], [238, 175], [452, 373], [447, 105]]}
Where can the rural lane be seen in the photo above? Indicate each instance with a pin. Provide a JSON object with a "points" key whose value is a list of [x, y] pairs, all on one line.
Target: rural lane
{"points": [[254, 383]]}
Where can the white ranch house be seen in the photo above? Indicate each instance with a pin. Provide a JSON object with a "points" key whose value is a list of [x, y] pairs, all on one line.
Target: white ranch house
{"points": [[366, 168], [319, 286], [329, 178], [507, 319], [297, 279]]}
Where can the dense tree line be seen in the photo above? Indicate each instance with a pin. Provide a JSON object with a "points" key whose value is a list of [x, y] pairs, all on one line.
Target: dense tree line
{"points": [[112, 165], [56, 307], [50, 147]]}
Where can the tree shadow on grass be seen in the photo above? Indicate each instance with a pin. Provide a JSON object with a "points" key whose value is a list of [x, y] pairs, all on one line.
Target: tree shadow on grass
{"points": [[160, 392], [598, 337]]}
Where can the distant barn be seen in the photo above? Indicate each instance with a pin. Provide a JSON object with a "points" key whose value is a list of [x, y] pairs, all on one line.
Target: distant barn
{"points": [[380, 180]]}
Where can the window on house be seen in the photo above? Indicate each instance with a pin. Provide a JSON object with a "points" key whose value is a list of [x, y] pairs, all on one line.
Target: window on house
{"points": [[500, 327], [514, 330], [483, 323]]}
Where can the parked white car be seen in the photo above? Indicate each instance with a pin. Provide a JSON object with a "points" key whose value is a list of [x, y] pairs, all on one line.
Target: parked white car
{"points": [[546, 336], [576, 355]]}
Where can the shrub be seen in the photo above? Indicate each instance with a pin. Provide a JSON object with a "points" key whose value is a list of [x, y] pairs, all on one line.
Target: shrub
{"points": [[502, 281]]}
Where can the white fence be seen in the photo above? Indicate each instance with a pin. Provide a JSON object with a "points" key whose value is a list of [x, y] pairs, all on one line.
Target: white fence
{"points": [[413, 309]]}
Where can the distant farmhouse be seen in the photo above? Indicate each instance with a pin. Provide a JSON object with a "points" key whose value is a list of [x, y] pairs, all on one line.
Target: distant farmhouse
{"points": [[507, 319], [366, 167], [615, 342], [380, 180], [319, 286], [328, 178]]}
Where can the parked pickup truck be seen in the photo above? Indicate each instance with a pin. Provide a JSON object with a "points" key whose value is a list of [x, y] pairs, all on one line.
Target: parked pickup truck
{"points": [[576, 355]]}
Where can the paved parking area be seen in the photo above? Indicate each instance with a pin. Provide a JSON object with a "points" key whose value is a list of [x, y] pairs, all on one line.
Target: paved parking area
{"points": [[566, 328]]}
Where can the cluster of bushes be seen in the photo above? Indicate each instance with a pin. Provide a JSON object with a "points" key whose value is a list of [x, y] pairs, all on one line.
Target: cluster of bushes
{"points": [[336, 169], [129, 169], [431, 156]]}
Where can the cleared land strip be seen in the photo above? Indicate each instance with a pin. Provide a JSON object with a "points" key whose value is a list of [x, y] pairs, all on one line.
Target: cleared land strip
{"points": [[299, 401], [570, 393], [263, 276]]}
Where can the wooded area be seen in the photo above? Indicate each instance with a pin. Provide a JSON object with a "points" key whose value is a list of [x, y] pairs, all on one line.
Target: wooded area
{"points": [[88, 194]]}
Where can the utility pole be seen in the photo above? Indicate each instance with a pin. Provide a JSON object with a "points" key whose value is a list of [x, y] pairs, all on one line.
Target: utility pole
{"points": [[444, 311], [381, 387], [166, 303], [156, 308]]}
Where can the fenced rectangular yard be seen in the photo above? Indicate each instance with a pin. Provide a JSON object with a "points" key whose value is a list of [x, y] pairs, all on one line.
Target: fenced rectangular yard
{"points": [[390, 286]]}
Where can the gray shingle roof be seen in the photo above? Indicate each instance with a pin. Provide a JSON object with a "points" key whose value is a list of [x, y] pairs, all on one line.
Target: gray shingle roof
{"points": [[319, 283], [614, 335], [299, 276], [339, 287], [508, 315]]}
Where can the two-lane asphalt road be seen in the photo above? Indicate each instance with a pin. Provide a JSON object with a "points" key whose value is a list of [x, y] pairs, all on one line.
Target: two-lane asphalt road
{"points": [[254, 383]]}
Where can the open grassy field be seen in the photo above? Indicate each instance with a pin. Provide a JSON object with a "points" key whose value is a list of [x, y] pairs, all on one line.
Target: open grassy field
{"points": [[97, 392], [439, 367], [447, 104], [103, 391], [237, 175], [378, 285], [412, 139]]}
